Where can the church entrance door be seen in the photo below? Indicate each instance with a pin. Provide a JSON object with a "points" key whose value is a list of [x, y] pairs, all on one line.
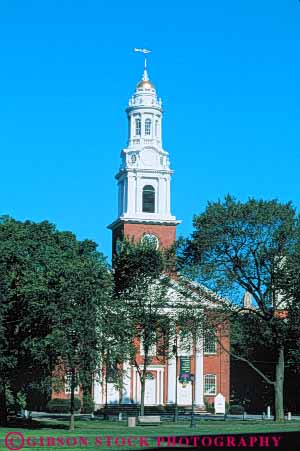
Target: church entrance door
{"points": [[150, 390]]}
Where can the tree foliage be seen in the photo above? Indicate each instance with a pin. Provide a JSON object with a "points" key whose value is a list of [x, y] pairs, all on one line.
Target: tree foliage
{"points": [[242, 245], [49, 282], [238, 247]]}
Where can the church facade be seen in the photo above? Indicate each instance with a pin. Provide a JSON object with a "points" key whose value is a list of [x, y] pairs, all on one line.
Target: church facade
{"points": [[144, 212], [191, 374]]}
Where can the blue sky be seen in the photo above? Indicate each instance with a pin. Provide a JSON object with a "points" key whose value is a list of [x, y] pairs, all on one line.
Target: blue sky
{"points": [[228, 74]]}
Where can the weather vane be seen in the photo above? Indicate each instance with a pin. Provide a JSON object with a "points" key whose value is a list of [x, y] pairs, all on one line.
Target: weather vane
{"points": [[145, 52]]}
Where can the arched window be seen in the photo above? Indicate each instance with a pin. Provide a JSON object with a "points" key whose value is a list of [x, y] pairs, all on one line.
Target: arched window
{"points": [[148, 199], [138, 127], [156, 128], [151, 240], [148, 127]]}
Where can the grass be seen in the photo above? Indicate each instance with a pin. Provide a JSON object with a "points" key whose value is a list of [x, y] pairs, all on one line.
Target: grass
{"points": [[89, 430]]}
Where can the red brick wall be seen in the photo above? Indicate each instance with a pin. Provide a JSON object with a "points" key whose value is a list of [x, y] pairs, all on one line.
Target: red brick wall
{"points": [[63, 395], [165, 233], [155, 360], [219, 364]]}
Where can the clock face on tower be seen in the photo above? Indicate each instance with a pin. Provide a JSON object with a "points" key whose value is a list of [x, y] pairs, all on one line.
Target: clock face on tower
{"points": [[148, 157], [151, 239]]}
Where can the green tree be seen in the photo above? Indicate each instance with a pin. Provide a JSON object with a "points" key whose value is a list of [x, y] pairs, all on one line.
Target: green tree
{"points": [[83, 316], [238, 247], [27, 260], [36, 261], [141, 290]]}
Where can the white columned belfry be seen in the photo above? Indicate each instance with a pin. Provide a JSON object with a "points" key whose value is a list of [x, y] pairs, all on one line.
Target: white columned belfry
{"points": [[144, 176]]}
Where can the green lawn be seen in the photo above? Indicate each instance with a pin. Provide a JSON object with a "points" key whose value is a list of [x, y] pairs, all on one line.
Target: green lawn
{"points": [[86, 432]]}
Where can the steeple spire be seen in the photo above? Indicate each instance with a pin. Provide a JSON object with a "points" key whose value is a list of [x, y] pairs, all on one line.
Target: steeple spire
{"points": [[145, 74], [145, 52]]}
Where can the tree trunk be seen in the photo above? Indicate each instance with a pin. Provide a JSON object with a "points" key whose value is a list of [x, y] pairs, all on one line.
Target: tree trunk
{"points": [[106, 405], [143, 383], [279, 380], [278, 387], [176, 390], [73, 382], [3, 406]]}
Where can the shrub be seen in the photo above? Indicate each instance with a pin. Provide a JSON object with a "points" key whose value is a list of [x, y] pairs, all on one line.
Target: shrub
{"points": [[236, 409], [88, 405], [209, 406], [10, 400], [57, 405], [21, 401]]}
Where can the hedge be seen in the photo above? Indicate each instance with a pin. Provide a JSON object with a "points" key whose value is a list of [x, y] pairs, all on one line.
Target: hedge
{"points": [[236, 409], [58, 405], [88, 405]]}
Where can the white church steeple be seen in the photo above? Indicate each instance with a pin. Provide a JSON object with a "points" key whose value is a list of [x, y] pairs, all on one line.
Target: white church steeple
{"points": [[144, 177], [145, 174]]}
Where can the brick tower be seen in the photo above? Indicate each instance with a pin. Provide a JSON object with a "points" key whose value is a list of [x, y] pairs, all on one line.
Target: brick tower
{"points": [[144, 204]]}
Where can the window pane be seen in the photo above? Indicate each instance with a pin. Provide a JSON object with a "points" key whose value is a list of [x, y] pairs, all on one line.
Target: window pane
{"points": [[210, 344], [138, 127], [147, 127], [148, 199], [210, 384]]}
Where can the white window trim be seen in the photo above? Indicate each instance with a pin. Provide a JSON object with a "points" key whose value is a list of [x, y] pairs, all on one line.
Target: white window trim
{"points": [[148, 121], [215, 389], [208, 352], [138, 127]]}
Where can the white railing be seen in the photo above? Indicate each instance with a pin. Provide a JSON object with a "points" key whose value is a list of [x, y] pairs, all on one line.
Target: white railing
{"points": [[144, 141]]}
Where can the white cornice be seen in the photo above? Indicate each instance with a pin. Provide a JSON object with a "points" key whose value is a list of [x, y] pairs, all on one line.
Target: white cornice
{"points": [[134, 171], [123, 220]]}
